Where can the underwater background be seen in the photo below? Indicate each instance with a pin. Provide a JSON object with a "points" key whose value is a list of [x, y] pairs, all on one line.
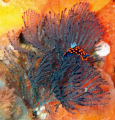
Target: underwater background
{"points": [[57, 60]]}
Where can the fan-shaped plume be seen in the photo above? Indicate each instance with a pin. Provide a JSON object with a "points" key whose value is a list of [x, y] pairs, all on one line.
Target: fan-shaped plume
{"points": [[76, 83], [30, 79], [33, 29], [77, 25]]}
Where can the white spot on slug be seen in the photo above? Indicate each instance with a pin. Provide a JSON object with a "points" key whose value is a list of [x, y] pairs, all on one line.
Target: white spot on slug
{"points": [[73, 45]]}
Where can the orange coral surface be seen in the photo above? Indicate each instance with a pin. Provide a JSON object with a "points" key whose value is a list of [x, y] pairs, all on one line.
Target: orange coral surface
{"points": [[106, 16], [11, 18]]}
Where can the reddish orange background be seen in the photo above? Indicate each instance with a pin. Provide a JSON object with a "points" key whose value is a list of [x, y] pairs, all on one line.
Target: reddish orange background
{"points": [[11, 18]]}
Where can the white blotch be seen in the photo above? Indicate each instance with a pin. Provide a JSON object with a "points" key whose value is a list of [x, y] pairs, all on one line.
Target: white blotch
{"points": [[42, 108], [41, 113], [43, 116], [102, 49], [38, 113], [86, 89], [10, 47], [73, 45]]}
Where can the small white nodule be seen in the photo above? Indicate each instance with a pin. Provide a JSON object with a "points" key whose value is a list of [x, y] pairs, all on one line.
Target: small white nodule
{"points": [[42, 108], [102, 49], [43, 116], [86, 89], [41, 113]]}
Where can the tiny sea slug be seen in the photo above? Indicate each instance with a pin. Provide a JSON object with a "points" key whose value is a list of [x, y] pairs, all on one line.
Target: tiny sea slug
{"points": [[76, 50]]}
